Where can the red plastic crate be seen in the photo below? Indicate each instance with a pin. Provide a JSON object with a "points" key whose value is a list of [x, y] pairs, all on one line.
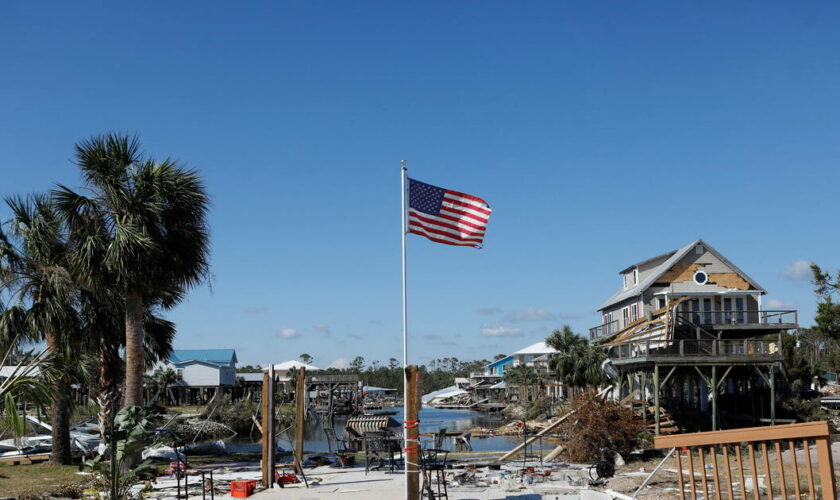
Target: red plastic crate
{"points": [[242, 489]]}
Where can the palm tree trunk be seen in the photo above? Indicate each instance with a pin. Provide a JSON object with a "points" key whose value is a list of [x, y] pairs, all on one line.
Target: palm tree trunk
{"points": [[134, 354], [60, 411], [108, 396]]}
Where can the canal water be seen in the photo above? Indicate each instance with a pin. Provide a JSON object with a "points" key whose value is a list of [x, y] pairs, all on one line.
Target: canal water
{"points": [[431, 420]]}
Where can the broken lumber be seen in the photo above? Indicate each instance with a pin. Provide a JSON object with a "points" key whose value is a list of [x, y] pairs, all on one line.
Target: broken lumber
{"points": [[546, 430]]}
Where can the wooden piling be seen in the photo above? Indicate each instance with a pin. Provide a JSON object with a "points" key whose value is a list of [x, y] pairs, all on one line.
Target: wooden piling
{"points": [[412, 430], [266, 435], [300, 399]]}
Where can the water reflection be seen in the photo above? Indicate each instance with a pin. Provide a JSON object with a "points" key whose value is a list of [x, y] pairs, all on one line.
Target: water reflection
{"points": [[431, 420]]}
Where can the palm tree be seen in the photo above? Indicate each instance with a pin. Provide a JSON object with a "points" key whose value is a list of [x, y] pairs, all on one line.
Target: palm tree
{"points": [[34, 268], [567, 363], [565, 339], [579, 366], [523, 377], [104, 327], [147, 222], [28, 382]]}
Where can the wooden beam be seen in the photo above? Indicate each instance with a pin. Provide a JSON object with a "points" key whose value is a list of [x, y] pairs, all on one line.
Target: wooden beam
{"points": [[708, 383], [656, 397], [550, 427], [412, 431], [299, 417], [267, 480], [665, 381], [713, 388], [725, 374], [779, 432]]}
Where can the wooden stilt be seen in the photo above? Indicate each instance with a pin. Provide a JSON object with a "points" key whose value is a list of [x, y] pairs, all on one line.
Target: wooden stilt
{"points": [[713, 388], [266, 436], [412, 430], [656, 397], [300, 399]]}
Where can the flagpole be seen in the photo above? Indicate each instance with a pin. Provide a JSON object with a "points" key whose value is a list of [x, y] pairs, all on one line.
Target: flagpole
{"points": [[404, 175]]}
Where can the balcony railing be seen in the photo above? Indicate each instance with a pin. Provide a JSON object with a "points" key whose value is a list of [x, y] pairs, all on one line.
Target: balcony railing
{"points": [[483, 375], [742, 317], [696, 348], [604, 330], [750, 317]]}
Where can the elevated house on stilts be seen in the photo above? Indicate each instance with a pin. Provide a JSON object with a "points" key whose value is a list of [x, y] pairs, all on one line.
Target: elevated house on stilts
{"points": [[689, 343]]}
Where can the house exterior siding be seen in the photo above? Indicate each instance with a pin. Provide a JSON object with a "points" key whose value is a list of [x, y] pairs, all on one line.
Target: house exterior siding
{"points": [[197, 374]]}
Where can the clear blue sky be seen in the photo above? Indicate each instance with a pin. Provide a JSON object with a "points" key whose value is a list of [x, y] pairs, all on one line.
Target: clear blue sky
{"points": [[601, 133]]}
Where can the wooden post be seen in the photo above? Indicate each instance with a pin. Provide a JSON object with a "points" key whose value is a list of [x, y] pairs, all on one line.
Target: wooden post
{"points": [[266, 435], [825, 466], [772, 395], [656, 396], [714, 399], [299, 417], [412, 430]]}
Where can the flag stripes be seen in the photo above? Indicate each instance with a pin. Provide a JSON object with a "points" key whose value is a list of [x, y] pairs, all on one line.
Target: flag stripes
{"points": [[446, 216]]}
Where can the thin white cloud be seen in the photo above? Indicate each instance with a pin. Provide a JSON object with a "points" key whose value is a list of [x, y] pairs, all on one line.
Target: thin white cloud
{"points": [[489, 311], [288, 333], [440, 339], [779, 304], [321, 327], [340, 363], [529, 314], [798, 271], [500, 331]]}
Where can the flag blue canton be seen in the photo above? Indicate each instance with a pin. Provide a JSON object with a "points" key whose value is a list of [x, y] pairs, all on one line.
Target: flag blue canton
{"points": [[425, 197]]}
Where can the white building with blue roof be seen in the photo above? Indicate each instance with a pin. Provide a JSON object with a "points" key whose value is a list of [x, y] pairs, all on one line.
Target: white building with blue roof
{"points": [[200, 370]]}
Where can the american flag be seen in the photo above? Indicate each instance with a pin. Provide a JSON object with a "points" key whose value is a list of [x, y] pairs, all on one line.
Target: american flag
{"points": [[446, 216]]}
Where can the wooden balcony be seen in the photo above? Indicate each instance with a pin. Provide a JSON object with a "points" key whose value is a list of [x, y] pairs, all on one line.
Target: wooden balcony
{"points": [[604, 330], [743, 320], [698, 351], [752, 319]]}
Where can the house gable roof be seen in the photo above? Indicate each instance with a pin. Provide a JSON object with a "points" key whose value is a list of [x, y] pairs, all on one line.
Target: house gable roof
{"points": [[662, 268], [538, 348], [219, 357], [288, 365]]}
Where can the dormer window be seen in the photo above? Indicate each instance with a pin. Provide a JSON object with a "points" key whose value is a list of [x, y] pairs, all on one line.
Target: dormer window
{"points": [[631, 278]]}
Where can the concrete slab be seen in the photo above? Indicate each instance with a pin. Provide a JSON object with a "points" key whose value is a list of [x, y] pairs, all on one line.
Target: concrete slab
{"points": [[327, 482]]}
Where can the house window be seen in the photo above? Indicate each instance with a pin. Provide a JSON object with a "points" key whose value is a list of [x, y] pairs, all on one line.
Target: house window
{"points": [[635, 276], [625, 281], [179, 374], [660, 302], [700, 277], [626, 312], [698, 249], [634, 312]]}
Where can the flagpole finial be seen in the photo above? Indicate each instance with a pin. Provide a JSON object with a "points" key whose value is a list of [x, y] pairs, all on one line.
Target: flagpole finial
{"points": [[403, 163]]}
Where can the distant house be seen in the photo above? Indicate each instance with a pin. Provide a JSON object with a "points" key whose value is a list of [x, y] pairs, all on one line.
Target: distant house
{"points": [[533, 355], [489, 385], [281, 372], [201, 373]]}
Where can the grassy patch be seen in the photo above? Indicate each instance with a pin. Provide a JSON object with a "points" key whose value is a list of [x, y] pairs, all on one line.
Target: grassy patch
{"points": [[36, 481]]}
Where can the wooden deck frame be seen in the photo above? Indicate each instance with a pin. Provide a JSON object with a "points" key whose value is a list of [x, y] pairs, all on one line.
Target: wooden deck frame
{"points": [[635, 379], [819, 432]]}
